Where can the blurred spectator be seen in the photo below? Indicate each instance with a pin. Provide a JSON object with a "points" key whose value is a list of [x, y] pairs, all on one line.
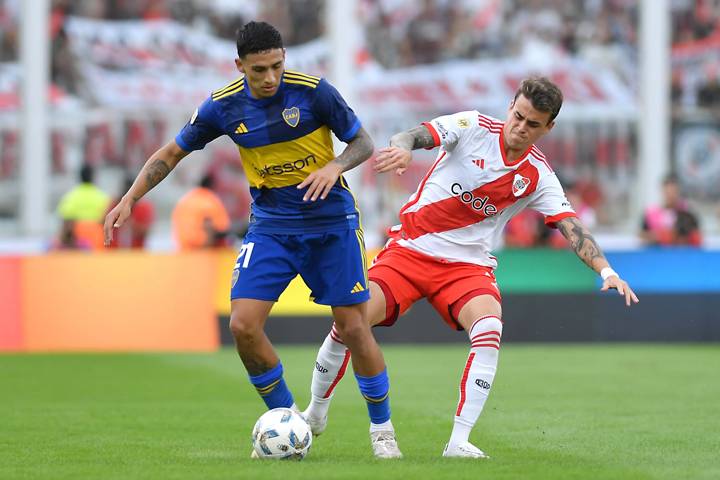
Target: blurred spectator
{"points": [[68, 240], [527, 229], [84, 206], [200, 219], [671, 223], [524, 230], [134, 231]]}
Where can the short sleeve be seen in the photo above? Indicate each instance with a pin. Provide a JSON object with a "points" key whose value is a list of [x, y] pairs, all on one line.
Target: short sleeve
{"points": [[448, 129], [550, 200], [201, 129], [330, 108]]}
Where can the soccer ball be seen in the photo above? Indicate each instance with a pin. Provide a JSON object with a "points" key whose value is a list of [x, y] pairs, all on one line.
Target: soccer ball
{"points": [[281, 433]]}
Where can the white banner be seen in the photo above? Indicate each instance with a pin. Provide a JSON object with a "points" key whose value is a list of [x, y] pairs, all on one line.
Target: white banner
{"points": [[155, 64], [159, 63]]}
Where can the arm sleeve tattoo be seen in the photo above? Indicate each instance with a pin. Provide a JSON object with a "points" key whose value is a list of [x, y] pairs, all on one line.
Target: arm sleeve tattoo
{"points": [[418, 137], [156, 172], [581, 241], [357, 151]]}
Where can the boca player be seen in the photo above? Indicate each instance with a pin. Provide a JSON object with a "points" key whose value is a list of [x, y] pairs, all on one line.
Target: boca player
{"points": [[304, 220], [485, 173]]}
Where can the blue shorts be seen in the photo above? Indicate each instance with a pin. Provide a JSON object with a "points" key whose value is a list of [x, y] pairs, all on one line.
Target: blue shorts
{"points": [[332, 264]]}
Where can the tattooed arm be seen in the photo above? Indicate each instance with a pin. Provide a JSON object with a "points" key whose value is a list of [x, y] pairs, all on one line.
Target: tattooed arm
{"points": [[157, 167], [357, 151], [583, 243], [585, 246], [320, 182], [398, 155]]}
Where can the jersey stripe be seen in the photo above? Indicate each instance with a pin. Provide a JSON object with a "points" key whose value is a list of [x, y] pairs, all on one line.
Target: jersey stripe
{"points": [[305, 76], [418, 194], [494, 128], [433, 132], [552, 220], [300, 82], [229, 92], [540, 156], [489, 120], [232, 85], [468, 207]]}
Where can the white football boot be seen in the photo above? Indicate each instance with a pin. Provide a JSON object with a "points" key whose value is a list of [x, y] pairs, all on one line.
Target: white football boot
{"points": [[464, 450], [317, 425], [384, 444]]}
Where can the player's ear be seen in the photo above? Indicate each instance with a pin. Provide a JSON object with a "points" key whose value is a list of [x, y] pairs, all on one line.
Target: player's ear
{"points": [[550, 125], [239, 65]]}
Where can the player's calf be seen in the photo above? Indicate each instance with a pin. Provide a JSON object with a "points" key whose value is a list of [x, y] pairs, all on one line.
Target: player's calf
{"points": [[330, 366], [477, 378]]}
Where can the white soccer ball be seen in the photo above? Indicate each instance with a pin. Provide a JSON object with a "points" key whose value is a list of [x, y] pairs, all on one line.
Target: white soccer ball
{"points": [[281, 433]]}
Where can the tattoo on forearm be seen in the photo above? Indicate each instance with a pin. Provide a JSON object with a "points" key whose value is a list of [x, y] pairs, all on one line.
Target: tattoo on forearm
{"points": [[418, 137], [357, 151], [580, 240], [156, 171]]}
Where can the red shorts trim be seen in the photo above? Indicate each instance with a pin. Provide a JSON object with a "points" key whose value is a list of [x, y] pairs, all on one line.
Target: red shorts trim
{"points": [[406, 276]]}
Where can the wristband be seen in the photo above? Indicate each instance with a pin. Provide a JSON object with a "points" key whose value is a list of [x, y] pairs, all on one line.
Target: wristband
{"points": [[608, 272]]}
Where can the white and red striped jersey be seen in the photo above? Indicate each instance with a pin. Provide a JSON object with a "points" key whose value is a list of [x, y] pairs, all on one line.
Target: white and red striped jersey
{"points": [[461, 206]]}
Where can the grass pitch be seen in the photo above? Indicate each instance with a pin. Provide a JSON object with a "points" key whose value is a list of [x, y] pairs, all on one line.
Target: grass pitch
{"points": [[556, 412]]}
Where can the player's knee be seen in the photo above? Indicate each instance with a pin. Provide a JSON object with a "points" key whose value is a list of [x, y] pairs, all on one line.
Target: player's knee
{"points": [[488, 324], [353, 330], [243, 327]]}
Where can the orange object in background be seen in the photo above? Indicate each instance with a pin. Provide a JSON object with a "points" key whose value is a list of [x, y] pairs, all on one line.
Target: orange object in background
{"points": [[119, 301], [11, 338], [197, 215], [90, 233]]}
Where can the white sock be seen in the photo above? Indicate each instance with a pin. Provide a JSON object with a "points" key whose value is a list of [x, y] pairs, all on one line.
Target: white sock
{"points": [[332, 361], [478, 375], [382, 427]]}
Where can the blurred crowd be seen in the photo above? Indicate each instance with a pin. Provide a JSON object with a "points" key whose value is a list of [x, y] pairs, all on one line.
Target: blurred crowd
{"points": [[408, 32], [403, 33], [199, 219]]}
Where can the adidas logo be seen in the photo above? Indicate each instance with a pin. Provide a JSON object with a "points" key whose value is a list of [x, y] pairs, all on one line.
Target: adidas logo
{"points": [[241, 129], [357, 288], [480, 162]]}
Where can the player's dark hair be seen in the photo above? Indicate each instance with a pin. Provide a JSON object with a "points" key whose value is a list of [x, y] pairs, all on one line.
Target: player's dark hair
{"points": [[544, 95], [254, 37], [87, 173]]}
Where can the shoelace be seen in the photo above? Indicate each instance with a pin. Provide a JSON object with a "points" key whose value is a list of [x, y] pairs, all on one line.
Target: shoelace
{"points": [[384, 437]]}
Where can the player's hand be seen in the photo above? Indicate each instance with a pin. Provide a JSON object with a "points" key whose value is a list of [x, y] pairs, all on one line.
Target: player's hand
{"points": [[622, 288], [321, 181], [116, 218], [390, 158]]}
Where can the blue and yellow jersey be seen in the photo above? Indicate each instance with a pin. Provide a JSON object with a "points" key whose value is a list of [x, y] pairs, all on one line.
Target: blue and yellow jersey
{"points": [[282, 139]]}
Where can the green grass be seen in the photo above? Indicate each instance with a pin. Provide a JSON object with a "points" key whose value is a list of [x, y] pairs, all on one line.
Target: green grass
{"points": [[556, 412]]}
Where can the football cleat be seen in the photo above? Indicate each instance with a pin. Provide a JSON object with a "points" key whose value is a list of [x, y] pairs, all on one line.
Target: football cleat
{"points": [[317, 425], [464, 450], [384, 444]]}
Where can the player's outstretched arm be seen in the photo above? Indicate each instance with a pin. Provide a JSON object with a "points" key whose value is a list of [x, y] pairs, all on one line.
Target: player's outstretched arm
{"points": [[398, 155], [320, 182], [585, 246], [157, 167]]}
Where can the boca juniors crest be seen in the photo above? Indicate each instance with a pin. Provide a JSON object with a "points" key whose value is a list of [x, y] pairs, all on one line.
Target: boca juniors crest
{"points": [[291, 116], [519, 184]]}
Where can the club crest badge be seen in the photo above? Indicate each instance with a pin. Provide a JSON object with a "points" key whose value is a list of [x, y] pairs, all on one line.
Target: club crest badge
{"points": [[519, 184], [291, 116]]}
